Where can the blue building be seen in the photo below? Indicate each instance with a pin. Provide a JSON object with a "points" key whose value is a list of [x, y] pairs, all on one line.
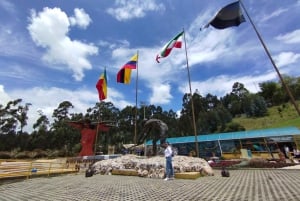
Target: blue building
{"points": [[264, 143]]}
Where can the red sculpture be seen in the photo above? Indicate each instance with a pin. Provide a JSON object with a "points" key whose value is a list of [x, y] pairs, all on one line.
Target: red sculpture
{"points": [[88, 132]]}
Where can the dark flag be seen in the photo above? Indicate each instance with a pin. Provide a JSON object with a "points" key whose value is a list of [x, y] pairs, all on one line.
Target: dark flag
{"points": [[228, 16]]}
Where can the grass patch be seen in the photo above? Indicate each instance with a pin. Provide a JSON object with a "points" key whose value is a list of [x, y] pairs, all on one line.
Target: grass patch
{"points": [[287, 117]]}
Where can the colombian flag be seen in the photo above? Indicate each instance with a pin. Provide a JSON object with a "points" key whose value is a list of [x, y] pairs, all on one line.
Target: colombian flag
{"points": [[124, 74]]}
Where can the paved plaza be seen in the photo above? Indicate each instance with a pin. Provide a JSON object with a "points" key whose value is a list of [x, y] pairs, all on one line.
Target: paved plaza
{"points": [[242, 185]]}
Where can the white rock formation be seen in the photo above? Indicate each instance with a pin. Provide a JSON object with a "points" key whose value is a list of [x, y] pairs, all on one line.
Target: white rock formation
{"points": [[153, 167]]}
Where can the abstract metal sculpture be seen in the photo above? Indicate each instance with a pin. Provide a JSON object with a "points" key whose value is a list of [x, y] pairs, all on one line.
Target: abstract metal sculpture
{"points": [[158, 129]]}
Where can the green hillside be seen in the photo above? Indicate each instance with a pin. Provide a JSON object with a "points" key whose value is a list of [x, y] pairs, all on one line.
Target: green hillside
{"points": [[287, 117]]}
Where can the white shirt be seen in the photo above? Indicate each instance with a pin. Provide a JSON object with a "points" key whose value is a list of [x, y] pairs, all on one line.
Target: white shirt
{"points": [[168, 151], [287, 149]]}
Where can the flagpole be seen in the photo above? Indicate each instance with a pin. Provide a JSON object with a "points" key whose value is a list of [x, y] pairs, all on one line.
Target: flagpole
{"points": [[97, 130], [98, 121], [191, 97], [272, 61], [136, 91]]}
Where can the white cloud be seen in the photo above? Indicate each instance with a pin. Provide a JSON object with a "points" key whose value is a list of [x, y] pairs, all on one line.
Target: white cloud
{"points": [[49, 29], [13, 43], [154, 75], [276, 13], [4, 96], [217, 58], [292, 37], [8, 6], [48, 99], [212, 85], [130, 9], [213, 45], [115, 46], [81, 18], [161, 94], [286, 58], [209, 45]]}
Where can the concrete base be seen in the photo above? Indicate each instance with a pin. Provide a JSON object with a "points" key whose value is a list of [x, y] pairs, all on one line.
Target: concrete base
{"points": [[126, 172], [187, 175], [181, 175]]}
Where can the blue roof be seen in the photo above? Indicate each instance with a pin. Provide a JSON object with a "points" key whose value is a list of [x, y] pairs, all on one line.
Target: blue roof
{"points": [[272, 132]]}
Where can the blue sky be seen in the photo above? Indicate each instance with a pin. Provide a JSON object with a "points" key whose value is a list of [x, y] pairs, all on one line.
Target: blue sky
{"points": [[52, 51]]}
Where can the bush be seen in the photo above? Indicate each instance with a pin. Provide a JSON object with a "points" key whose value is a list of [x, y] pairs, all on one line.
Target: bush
{"points": [[53, 153], [39, 153], [22, 155], [263, 163], [4, 155]]}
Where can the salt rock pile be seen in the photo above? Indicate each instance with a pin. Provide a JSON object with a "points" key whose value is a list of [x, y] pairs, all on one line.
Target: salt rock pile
{"points": [[153, 167]]}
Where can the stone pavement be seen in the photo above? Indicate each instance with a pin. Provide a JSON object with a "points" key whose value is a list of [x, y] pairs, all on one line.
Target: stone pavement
{"points": [[242, 185]]}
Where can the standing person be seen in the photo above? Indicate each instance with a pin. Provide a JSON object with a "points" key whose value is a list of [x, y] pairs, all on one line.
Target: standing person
{"points": [[287, 151], [169, 165], [296, 153]]}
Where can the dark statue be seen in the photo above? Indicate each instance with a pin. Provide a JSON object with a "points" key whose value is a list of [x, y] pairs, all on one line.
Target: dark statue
{"points": [[155, 129]]}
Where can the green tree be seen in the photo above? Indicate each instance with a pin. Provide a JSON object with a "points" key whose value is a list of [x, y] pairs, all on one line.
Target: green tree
{"points": [[8, 120], [12, 115], [63, 137], [126, 125], [22, 115], [255, 106], [233, 127], [105, 112], [273, 93], [40, 137], [42, 122]]}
